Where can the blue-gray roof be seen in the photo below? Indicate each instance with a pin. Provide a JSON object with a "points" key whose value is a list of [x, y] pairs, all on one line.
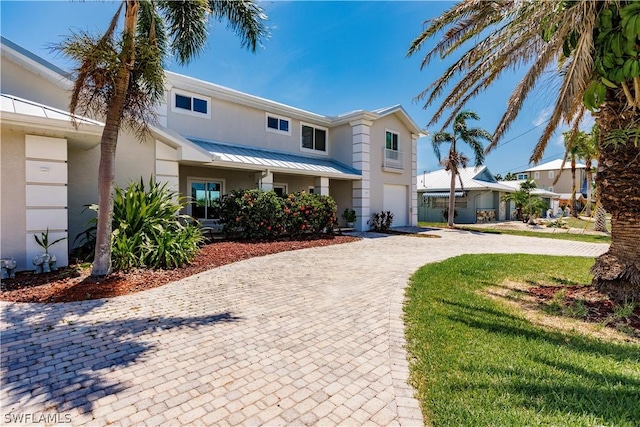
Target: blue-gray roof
{"points": [[262, 158]]}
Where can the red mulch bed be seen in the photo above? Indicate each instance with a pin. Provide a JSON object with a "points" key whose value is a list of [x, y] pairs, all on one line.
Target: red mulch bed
{"points": [[74, 283], [600, 309]]}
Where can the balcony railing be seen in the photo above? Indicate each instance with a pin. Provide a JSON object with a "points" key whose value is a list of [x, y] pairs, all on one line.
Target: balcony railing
{"points": [[392, 159]]}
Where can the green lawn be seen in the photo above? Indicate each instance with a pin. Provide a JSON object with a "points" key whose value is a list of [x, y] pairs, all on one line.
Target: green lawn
{"points": [[560, 235], [476, 362]]}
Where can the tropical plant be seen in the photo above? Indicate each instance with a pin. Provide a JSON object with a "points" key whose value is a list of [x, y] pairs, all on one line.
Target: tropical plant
{"points": [[381, 221], [456, 159], [593, 48], [349, 215], [589, 153], [511, 177], [498, 177], [120, 76], [148, 229], [528, 205], [43, 240], [573, 142]]}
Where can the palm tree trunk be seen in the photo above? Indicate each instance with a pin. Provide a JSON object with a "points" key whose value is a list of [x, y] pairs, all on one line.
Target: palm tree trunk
{"points": [[589, 180], [617, 272], [106, 171], [452, 198], [574, 211], [600, 223]]}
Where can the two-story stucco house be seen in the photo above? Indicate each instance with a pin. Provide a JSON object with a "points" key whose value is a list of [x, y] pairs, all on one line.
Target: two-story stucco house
{"points": [[545, 174], [209, 140]]}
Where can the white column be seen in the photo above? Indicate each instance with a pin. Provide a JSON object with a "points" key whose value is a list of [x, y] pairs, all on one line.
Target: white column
{"points": [[46, 196], [264, 180], [361, 131], [413, 211], [321, 185]]}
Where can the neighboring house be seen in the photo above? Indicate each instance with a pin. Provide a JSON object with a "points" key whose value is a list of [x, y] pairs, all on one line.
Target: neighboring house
{"points": [[478, 199], [209, 140], [545, 174], [552, 199]]}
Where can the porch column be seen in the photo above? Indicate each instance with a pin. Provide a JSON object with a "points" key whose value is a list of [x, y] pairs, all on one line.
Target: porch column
{"points": [[413, 209], [361, 160], [321, 185], [264, 180]]}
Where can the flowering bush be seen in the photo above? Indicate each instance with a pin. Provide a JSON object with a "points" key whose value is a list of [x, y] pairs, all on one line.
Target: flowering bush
{"points": [[253, 214], [262, 215], [309, 214]]}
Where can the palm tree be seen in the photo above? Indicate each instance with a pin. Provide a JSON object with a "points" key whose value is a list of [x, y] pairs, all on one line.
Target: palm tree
{"points": [[121, 76], [589, 152], [456, 159], [573, 142], [587, 52]]}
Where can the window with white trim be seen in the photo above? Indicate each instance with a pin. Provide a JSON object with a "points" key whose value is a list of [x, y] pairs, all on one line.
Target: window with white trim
{"points": [[551, 175], [313, 138], [205, 196], [551, 188], [536, 175], [278, 124], [522, 176], [190, 103], [391, 142]]}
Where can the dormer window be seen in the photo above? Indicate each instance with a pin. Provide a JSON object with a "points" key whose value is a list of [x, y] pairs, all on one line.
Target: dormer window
{"points": [[190, 103]]}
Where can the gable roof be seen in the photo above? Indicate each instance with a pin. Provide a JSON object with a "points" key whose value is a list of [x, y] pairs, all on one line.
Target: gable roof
{"points": [[555, 165], [478, 178]]}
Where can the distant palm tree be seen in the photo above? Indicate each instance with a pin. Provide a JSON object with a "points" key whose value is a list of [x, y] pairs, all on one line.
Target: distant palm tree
{"points": [[592, 46], [456, 159], [121, 77], [510, 176], [573, 142], [589, 153]]}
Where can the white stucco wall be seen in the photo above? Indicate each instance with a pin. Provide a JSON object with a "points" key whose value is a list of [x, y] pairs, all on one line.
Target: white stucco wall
{"points": [[13, 200]]}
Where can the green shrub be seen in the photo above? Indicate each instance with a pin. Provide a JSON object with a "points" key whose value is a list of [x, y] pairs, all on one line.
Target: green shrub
{"points": [[262, 215], [148, 230], [309, 214], [253, 214]]}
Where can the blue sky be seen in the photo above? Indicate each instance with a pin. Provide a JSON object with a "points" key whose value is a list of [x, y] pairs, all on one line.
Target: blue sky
{"points": [[325, 57]]}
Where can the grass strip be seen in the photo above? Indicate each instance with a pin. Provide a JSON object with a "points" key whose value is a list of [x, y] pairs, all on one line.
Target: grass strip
{"points": [[477, 362]]}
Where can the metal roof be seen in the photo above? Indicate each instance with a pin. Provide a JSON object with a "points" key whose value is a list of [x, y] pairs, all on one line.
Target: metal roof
{"points": [[555, 165], [241, 155], [13, 104], [441, 180]]}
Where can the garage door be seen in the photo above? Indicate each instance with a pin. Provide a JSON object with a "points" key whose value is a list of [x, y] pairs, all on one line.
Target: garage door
{"points": [[395, 200]]}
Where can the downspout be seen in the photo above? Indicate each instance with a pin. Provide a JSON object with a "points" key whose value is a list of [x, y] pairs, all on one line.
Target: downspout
{"points": [[264, 175]]}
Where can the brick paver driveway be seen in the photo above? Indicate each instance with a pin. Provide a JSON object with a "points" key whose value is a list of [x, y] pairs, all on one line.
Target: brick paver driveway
{"points": [[305, 337]]}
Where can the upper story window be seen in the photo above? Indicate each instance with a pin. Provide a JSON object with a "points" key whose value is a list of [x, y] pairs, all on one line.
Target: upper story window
{"points": [[536, 175], [278, 124], [313, 138], [391, 141], [522, 176], [190, 103], [551, 174]]}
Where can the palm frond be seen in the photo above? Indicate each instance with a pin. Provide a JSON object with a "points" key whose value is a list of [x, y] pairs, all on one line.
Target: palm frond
{"points": [[245, 18]]}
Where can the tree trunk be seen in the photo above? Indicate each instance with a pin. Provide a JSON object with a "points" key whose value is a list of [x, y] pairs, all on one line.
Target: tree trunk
{"points": [[589, 180], [108, 143], [600, 223], [574, 211], [452, 198], [617, 272]]}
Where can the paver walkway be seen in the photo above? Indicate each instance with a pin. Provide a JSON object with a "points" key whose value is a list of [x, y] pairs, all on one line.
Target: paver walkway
{"points": [[305, 337]]}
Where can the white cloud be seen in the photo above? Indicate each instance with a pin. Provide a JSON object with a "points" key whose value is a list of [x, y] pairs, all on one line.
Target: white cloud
{"points": [[542, 116]]}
